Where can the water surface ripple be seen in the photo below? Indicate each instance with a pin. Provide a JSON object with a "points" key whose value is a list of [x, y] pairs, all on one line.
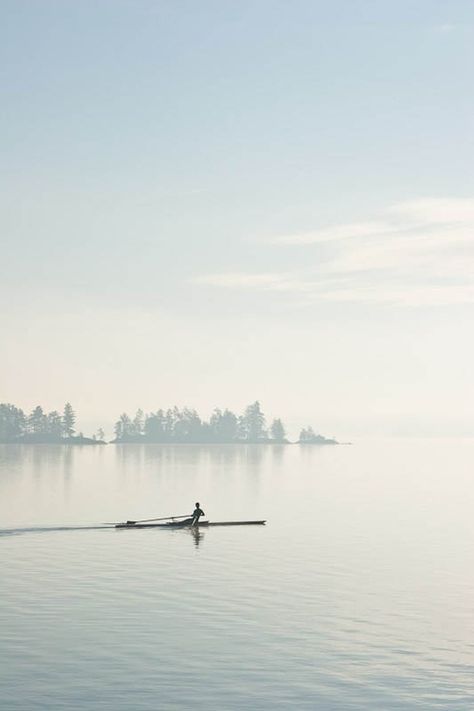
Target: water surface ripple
{"points": [[357, 595]]}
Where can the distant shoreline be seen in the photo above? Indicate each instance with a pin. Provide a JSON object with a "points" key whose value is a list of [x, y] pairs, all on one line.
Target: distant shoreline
{"points": [[86, 441], [68, 441], [272, 442], [172, 426]]}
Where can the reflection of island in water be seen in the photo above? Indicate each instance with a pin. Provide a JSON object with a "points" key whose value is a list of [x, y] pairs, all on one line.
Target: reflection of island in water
{"points": [[173, 426], [225, 461]]}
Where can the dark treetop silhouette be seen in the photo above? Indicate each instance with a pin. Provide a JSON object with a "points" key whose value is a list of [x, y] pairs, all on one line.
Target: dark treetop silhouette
{"points": [[166, 426], [42, 427], [186, 426]]}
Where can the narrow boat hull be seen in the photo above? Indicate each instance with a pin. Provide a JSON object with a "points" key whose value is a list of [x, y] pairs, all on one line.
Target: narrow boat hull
{"points": [[202, 524]]}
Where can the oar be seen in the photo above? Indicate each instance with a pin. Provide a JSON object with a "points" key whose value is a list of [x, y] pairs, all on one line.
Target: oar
{"points": [[146, 520]]}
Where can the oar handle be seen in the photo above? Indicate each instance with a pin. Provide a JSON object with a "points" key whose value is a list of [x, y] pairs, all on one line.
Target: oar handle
{"points": [[165, 518]]}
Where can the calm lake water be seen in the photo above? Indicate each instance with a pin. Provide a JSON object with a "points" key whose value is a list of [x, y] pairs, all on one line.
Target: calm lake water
{"points": [[357, 594]]}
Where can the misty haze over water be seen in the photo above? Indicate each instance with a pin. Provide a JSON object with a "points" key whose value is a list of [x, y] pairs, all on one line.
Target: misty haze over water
{"points": [[226, 227], [206, 204], [356, 594]]}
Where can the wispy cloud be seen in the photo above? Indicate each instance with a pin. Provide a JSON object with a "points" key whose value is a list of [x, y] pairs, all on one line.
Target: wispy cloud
{"points": [[435, 211], [445, 27], [336, 232], [240, 280], [420, 253]]}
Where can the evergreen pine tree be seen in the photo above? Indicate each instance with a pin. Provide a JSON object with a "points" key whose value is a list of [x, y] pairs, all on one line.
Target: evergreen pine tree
{"points": [[69, 419]]}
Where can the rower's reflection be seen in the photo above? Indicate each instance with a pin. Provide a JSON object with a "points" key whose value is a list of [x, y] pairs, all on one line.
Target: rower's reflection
{"points": [[197, 534]]}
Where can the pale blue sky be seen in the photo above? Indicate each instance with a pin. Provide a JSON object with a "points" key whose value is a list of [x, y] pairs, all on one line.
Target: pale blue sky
{"points": [[206, 203]]}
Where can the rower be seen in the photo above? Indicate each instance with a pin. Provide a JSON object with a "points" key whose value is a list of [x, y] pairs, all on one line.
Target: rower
{"points": [[196, 515]]}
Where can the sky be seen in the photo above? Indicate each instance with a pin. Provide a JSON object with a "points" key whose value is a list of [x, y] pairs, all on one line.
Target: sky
{"points": [[210, 203]]}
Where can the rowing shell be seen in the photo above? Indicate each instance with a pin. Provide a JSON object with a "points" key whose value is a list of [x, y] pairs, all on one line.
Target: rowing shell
{"points": [[178, 524]]}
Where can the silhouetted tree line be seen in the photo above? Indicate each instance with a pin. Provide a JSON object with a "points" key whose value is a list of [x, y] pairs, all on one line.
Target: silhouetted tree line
{"points": [[40, 426], [175, 425], [186, 426], [172, 425], [309, 436]]}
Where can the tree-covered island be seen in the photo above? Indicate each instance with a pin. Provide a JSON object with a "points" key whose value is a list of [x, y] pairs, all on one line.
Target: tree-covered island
{"points": [[225, 427], [41, 427], [171, 426]]}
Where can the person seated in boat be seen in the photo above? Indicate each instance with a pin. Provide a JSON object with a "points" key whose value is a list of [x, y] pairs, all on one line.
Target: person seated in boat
{"points": [[196, 515]]}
